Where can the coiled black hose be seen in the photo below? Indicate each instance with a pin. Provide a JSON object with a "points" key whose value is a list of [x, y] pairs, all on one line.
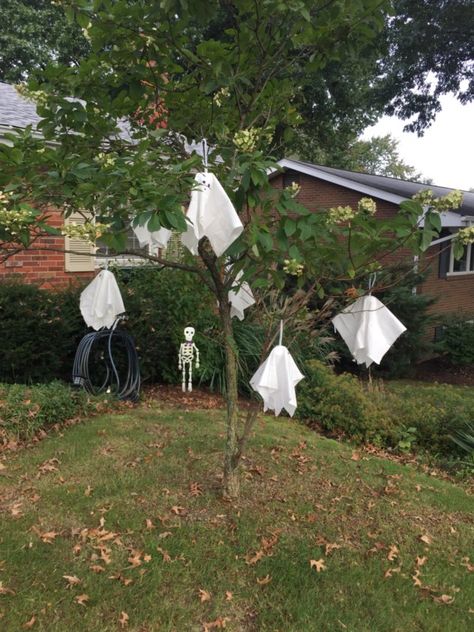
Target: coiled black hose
{"points": [[124, 382]]}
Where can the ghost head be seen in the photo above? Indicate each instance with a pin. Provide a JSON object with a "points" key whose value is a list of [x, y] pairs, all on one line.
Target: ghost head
{"points": [[189, 334]]}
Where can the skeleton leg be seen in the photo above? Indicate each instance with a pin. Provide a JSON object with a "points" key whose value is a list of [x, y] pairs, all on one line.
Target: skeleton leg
{"points": [[190, 377], [183, 384]]}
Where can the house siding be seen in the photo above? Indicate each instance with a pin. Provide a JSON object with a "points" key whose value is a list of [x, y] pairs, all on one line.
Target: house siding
{"points": [[44, 268]]}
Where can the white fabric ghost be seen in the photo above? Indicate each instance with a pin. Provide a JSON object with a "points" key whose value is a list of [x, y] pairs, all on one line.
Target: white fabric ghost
{"points": [[240, 299], [211, 214], [368, 328], [157, 238], [101, 301], [275, 381]]}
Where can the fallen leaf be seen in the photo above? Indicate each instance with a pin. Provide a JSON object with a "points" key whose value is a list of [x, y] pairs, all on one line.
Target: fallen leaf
{"points": [[72, 580], [330, 547], [418, 488], [420, 561], [389, 572], [165, 534], [179, 511], [82, 599], [355, 456], [255, 558], [228, 595], [149, 524], [5, 591], [15, 510], [123, 619], [29, 624], [416, 578], [165, 554], [426, 539], [96, 568], [88, 490], [48, 536], [204, 595], [392, 553], [319, 565], [195, 489], [134, 559], [467, 564], [219, 623], [263, 581], [444, 599]]}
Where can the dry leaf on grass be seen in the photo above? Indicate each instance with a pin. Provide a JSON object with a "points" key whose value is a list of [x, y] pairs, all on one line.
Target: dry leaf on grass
{"points": [[444, 599], [134, 558], [96, 568], [123, 619], [251, 560], [81, 599], [218, 624], [179, 511], [416, 578], [29, 624], [393, 553], [389, 572], [88, 491], [195, 489], [72, 580], [426, 539], [149, 524], [330, 547], [355, 456], [467, 564], [165, 554], [319, 565], [228, 595], [5, 591], [15, 510], [420, 561], [263, 581], [204, 595], [49, 536]]}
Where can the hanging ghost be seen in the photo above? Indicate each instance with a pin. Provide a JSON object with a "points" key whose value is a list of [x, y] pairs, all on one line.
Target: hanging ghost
{"points": [[368, 328], [211, 214], [101, 301], [146, 237], [240, 298]]}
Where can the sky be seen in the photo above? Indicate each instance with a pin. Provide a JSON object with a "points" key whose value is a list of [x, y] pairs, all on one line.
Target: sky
{"points": [[445, 153]]}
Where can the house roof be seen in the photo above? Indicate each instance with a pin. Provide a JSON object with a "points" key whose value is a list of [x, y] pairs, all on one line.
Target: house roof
{"points": [[15, 110], [383, 187]]}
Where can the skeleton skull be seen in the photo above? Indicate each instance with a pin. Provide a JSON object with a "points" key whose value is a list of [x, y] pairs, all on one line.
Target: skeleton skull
{"points": [[189, 334]]}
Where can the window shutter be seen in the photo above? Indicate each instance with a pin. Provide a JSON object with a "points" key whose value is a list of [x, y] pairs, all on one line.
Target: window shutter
{"points": [[78, 262]]}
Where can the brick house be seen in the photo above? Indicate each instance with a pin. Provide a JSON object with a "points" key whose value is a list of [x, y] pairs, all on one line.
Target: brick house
{"points": [[452, 282]]}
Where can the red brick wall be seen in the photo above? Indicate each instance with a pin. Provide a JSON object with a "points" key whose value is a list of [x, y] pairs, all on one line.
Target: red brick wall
{"points": [[42, 267], [452, 293]]}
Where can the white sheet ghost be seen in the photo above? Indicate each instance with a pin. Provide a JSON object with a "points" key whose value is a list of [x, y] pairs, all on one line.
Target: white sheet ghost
{"points": [[368, 328], [211, 214], [275, 380], [158, 238], [240, 299], [101, 301]]}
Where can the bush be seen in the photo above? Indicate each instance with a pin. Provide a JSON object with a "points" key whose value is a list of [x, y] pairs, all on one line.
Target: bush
{"points": [[398, 416], [24, 410], [457, 339], [39, 331]]}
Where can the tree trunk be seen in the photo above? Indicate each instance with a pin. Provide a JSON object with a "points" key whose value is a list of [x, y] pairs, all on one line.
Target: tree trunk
{"points": [[231, 483]]}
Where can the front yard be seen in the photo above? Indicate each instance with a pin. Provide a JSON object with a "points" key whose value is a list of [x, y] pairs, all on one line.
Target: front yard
{"points": [[117, 523]]}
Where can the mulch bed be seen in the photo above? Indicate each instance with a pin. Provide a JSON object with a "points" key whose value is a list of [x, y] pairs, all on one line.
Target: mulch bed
{"points": [[439, 370], [198, 399]]}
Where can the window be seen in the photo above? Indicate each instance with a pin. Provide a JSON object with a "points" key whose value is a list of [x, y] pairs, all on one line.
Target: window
{"points": [[289, 177], [465, 265], [124, 261]]}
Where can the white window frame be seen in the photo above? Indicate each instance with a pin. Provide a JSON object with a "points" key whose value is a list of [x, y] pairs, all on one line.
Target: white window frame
{"points": [[469, 258], [126, 261]]}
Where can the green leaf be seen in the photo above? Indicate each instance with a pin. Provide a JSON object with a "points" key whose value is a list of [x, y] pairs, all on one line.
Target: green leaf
{"points": [[289, 227]]}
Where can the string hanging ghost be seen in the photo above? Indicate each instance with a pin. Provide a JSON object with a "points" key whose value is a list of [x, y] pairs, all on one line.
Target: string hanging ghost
{"points": [[187, 350]]}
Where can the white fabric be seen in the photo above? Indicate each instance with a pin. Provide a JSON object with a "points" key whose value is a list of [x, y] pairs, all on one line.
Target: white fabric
{"points": [[368, 328], [211, 214], [241, 299], [275, 381], [157, 238], [101, 301]]}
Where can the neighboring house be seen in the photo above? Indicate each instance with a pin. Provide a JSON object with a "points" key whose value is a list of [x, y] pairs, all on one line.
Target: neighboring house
{"points": [[452, 282]]}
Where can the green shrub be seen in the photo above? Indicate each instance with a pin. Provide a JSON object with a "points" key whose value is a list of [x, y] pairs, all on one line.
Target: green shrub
{"points": [[24, 410], [457, 339], [337, 402]]}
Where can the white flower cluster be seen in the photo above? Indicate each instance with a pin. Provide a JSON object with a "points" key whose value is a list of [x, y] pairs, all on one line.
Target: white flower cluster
{"points": [[220, 96], [293, 189], [466, 235], [293, 267], [340, 214], [448, 202], [105, 159], [88, 231], [367, 205]]}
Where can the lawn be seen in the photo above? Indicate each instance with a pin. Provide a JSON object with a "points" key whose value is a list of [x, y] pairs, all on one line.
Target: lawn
{"points": [[117, 523]]}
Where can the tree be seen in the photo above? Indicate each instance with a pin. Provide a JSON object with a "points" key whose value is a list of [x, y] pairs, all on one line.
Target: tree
{"points": [[34, 33], [150, 68]]}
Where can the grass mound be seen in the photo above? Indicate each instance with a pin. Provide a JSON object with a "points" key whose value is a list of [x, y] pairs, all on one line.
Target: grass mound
{"points": [[118, 524]]}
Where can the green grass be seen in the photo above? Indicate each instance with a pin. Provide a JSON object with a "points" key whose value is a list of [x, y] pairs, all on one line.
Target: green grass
{"points": [[298, 488]]}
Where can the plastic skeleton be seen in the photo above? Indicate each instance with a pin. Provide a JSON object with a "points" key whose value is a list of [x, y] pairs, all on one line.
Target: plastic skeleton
{"points": [[186, 357]]}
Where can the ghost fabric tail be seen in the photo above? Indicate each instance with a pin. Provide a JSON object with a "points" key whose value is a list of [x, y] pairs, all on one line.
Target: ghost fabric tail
{"points": [[123, 381]]}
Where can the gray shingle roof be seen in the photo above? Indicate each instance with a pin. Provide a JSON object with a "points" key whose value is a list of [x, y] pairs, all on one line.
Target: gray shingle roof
{"points": [[15, 110], [402, 188]]}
